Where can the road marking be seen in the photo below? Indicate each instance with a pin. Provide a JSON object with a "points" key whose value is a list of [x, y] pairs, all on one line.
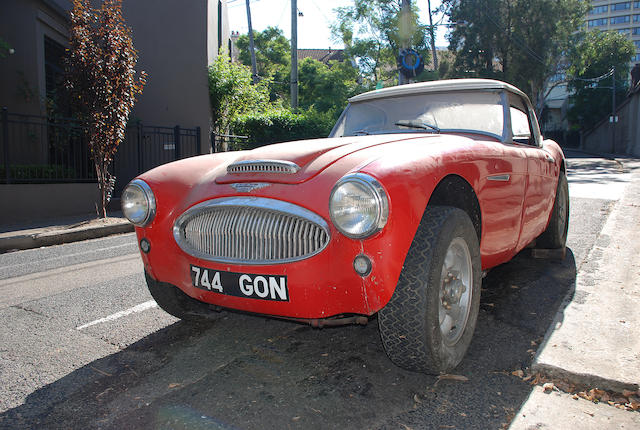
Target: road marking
{"points": [[138, 308]]}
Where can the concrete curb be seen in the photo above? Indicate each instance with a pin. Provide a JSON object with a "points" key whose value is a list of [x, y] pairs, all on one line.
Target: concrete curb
{"points": [[57, 237]]}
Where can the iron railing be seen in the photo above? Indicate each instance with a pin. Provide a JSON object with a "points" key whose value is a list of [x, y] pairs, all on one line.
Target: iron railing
{"points": [[37, 149]]}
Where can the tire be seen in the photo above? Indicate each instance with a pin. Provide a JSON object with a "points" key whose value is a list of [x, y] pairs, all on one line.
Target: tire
{"points": [[413, 335], [555, 236], [173, 301]]}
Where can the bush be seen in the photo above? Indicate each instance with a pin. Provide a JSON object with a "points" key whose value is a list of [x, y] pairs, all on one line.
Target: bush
{"points": [[38, 172], [281, 126]]}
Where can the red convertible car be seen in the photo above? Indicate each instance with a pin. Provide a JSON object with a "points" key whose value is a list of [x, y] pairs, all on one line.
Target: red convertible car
{"points": [[418, 190]]}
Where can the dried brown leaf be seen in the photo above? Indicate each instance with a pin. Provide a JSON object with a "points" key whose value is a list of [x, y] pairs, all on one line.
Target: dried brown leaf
{"points": [[450, 377]]}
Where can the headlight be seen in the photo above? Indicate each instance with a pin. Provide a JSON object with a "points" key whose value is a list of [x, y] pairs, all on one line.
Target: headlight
{"points": [[138, 203], [358, 206]]}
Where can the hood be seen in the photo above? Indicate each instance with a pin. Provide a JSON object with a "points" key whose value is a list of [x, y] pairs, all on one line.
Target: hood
{"points": [[296, 162]]}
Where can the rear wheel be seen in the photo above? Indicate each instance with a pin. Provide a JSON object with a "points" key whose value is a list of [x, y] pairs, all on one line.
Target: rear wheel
{"points": [[555, 236], [173, 301], [428, 324]]}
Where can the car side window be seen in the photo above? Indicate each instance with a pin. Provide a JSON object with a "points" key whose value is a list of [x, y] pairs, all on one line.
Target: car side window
{"points": [[520, 126], [520, 122]]}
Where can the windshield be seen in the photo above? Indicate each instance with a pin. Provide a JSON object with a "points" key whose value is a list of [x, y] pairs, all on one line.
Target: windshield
{"points": [[473, 111]]}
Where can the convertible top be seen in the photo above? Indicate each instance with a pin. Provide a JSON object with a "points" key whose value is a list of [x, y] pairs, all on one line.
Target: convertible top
{"points": [[438, 86]]}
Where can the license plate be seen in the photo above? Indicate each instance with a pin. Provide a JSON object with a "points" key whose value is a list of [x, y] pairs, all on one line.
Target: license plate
{"points": [[262, 287]]}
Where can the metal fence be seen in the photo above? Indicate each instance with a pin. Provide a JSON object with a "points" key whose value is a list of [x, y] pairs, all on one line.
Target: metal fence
{"points": [[229, 142], [35, 149]]}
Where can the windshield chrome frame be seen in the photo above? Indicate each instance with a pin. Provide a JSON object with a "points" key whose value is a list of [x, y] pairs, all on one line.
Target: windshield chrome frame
{"points": [[506, 119]]}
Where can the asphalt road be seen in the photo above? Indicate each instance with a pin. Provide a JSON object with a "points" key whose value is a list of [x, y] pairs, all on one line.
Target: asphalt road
{"points": [[83, 345]]}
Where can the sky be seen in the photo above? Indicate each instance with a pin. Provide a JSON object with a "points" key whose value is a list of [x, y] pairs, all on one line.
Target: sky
{"points": [[313, 27]]}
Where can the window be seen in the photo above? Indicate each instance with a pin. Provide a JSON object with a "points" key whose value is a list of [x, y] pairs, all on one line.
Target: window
{"points": [[597, 22], [636, 31], [620, 19], [520, 126], [637, 43], [636, 4], [53, 66], [635, 57], [599, 9], [624, 31], [621, 6], [636, 18]]}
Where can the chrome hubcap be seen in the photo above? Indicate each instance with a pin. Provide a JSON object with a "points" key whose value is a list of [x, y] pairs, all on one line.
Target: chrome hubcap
{"points": [[455, 291]]}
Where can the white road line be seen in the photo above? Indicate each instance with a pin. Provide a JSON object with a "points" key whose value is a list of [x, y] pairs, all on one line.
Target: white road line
{"points": [[138, 308]]}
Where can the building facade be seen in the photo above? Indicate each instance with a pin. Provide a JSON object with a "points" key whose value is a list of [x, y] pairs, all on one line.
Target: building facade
{"points": [[623, 17]]}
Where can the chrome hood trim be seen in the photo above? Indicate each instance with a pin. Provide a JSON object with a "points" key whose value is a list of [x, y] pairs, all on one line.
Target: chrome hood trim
{"points": [[263, 166]]}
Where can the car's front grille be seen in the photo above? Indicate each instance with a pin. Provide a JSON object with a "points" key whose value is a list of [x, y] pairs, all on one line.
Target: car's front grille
{"points": [[250, 230]]}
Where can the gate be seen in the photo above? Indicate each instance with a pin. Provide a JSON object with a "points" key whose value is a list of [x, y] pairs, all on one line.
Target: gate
{"points": [[146, 147]]}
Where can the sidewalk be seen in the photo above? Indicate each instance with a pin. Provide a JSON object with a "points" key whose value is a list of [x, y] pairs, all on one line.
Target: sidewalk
{"points": [[62, 230], [594, 341]]}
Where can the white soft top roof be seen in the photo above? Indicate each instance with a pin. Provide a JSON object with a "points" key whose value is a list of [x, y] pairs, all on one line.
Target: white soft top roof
{"points": [[437, 86]]}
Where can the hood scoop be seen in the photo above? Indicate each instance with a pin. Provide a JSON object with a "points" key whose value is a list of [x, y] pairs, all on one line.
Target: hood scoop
{"points": [[263, 166]]}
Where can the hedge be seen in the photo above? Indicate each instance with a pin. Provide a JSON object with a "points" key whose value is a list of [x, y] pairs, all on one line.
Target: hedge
{"points": [[282, 126]]}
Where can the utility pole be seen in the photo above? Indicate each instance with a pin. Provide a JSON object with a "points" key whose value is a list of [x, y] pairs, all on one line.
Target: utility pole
{"points": [[294, 54], [613, 110], [254, 68], [405, 21], [433, 38]]}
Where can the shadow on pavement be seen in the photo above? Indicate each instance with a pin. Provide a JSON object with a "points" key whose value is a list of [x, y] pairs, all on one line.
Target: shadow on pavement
{"points": [[249, 372]]}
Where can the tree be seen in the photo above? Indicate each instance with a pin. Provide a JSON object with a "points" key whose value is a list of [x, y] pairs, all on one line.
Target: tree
{"points": [[373, 32], [101, 82], [232, 94], [273, 58], [593, 56], [517, 41], [5, 48], [326, 88]]}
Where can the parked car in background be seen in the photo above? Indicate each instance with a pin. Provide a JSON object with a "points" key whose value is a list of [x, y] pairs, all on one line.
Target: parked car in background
{"points": [[418, 190]]}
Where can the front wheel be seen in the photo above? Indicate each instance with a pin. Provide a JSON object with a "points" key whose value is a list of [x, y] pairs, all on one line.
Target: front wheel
{"points": [[555, 236], [428, 324]]}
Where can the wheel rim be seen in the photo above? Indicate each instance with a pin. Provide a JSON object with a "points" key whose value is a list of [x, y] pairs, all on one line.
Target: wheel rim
{"points": [[455, 291]]}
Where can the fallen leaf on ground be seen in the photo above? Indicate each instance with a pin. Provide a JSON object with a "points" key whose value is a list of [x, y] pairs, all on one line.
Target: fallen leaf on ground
{"points": [[548, 387], [448, 376], [416, 399], [519, 373], [174, 385]]}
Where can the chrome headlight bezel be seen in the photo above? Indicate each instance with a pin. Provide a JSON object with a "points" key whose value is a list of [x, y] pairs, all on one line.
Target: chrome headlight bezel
{"points": [[375, 191], [149, 200]]}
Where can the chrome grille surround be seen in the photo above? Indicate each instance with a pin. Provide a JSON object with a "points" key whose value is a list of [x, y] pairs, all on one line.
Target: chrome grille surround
{"points": [[263, 166], [250, 230]]}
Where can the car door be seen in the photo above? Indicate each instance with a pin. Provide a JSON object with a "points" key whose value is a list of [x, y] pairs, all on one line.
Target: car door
{"points": [[540, 186]]}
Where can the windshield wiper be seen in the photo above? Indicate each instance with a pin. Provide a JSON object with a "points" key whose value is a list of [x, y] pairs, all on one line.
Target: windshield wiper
{"points": [[418, 124], [361, 133]]}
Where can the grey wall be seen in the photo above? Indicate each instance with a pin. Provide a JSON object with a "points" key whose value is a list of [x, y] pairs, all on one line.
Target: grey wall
{"points": [[23, 24], [627, 130], [31, 202], [176, 41]]}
